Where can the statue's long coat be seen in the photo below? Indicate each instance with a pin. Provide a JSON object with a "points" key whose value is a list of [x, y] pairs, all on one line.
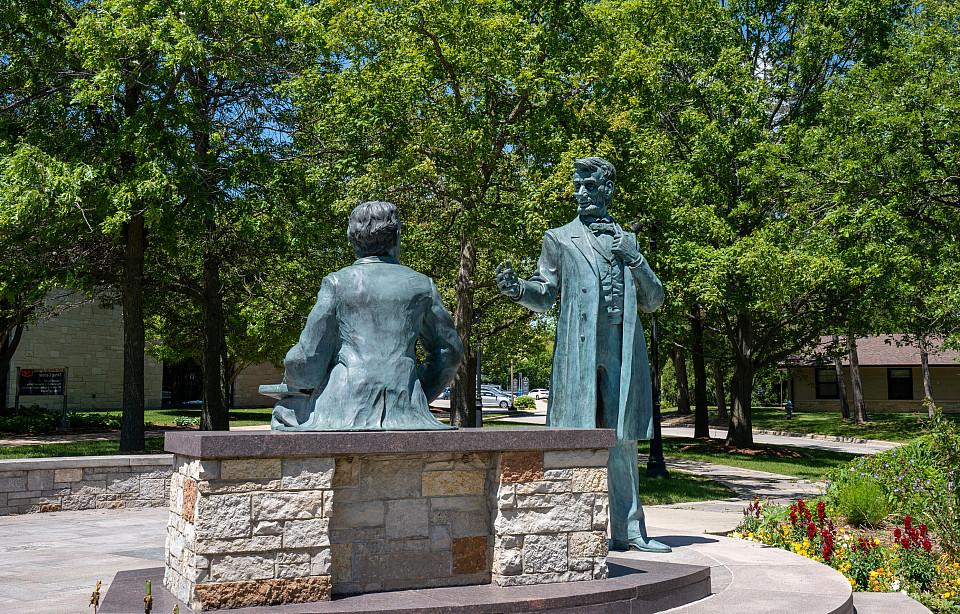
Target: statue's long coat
{"points": [[567, 266]]}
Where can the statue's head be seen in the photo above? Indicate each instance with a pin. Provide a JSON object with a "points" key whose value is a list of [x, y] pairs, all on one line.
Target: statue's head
{"points": [[374, 229], [593, 179]]}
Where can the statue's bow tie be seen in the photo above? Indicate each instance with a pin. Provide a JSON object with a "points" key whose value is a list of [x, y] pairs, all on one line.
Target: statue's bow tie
{"points": [[603, 227]]}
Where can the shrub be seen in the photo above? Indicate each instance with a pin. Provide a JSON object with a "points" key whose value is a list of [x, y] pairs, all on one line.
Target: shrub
{"points": [[909, 476], [34, 419], [93, 421], [943, 512], [863, 503], [525, 402]]}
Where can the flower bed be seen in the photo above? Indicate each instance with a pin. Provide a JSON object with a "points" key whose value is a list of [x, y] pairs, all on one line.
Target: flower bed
{"points": [[888, 522], [902, 556]]}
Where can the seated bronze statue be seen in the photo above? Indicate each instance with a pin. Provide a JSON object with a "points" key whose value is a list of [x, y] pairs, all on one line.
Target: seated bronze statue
{"points": [[355, 366]]}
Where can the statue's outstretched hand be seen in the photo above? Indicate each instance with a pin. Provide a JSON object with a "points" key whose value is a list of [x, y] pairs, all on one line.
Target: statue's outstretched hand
{"points": [[625, 248], [507, 280]]}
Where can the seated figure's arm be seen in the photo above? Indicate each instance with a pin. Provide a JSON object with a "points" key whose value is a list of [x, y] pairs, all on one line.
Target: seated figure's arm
{"points": [[442, 347], [308, 363], [539, 293]]}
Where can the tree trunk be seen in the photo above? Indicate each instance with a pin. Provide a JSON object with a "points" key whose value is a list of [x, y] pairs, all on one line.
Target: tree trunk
{"points": [[925, 370], [463, 398], [859, 406], [719, 391], [683, 386], [701, 420], [131, 300], [8, 347], [740, 431], [841, 381], [215, 416]]}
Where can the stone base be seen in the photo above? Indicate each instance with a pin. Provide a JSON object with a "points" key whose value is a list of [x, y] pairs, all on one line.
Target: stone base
{"points": [[642, 587], [269, 518]]}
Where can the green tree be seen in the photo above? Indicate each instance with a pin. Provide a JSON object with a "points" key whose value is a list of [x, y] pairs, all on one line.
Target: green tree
{"points": [[444, 108]]}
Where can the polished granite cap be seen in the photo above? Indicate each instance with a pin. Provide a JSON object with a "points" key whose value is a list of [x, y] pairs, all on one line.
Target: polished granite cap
{"points": [[238, 444]]}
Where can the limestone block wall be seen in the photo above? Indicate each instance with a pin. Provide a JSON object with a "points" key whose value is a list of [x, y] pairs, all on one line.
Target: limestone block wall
{"points": [[247, 383], [551, 518], [267, 531], [87, 340], [83, 483]]}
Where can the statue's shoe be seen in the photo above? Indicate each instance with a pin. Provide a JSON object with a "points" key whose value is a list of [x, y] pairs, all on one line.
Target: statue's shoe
{"points": [[641, 544]]}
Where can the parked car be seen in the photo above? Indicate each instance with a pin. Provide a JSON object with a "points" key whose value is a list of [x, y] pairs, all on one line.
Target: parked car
{"points": [[492, 398], [540, 394]]}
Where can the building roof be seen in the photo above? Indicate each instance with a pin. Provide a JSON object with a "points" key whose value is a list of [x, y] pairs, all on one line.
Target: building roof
{"points": [[878, 351]]}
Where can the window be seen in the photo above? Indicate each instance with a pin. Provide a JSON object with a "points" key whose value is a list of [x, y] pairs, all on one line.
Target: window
{"points": [[899, 383], [827, 384]]}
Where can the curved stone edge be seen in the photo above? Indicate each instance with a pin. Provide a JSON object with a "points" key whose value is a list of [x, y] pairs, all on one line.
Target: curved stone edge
{"points": [[640, 587], [240, 444], [763, 580]]}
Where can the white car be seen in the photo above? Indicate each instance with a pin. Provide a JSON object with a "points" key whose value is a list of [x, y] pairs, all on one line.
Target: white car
{"points": [[540, 394]]}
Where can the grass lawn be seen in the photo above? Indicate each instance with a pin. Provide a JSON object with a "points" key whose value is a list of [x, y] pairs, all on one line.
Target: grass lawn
{"points": [[804, 463], [76, 448], [680, 488], [886, 426]]}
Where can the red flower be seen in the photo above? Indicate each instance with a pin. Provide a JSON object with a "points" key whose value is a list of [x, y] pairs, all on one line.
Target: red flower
{"points": [[927, 545], [821, 511], [897, 533], [907, 522]]}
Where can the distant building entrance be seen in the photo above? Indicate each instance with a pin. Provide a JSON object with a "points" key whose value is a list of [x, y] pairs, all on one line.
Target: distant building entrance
{"points": [[183, 384]]}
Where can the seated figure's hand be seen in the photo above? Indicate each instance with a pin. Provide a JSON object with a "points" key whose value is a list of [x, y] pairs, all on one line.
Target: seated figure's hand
{"points": [[625, 248], [507, 280]]}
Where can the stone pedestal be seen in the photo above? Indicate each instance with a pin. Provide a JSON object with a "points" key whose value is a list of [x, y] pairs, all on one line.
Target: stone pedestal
{"points": [[267, 518]]}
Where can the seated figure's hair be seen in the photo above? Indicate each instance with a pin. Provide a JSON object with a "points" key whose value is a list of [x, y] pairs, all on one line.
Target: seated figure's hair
{"points": [[374, 228], [593, 163]]}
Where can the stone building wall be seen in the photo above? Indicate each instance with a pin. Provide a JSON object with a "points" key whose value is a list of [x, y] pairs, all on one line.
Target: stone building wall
{"points": [[84, 483], [249, 380], [87, 339]]}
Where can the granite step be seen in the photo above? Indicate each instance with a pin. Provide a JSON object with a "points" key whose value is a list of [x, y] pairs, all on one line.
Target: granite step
{"points": [[886, 603], [642, 587], [750, 578]]}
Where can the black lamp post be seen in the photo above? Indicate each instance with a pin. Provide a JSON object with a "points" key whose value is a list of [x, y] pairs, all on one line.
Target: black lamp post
{"points": [[656, 466]]}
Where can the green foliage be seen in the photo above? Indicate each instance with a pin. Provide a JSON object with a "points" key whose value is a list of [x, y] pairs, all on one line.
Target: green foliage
{"points": [[912, 478], [525, 402], [37, 420], [943, 514], [862, 502], [34, 419], [93, 421]]}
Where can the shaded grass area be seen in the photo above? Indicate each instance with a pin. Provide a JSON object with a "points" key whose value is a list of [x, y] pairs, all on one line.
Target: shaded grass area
{"points": [[238, 417], [807, 463], [681, 488], [76, 448]]}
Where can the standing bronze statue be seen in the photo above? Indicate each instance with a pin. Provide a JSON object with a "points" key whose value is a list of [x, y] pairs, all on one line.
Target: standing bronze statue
{"points": [[601, 374], [355, 366]]}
